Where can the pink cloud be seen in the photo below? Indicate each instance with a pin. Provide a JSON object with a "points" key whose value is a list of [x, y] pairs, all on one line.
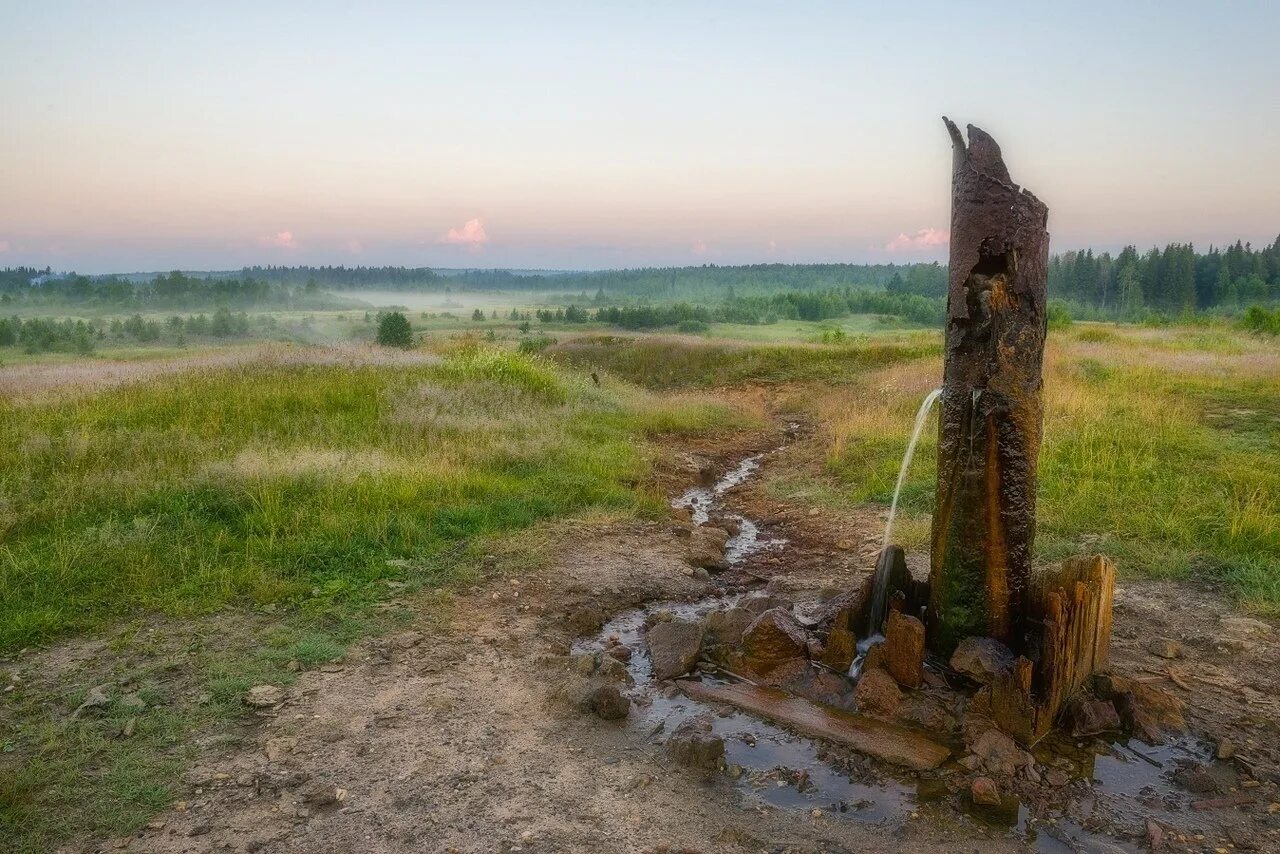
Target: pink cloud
{"points": [[471, 234], [4, 246], [355, 247], [279, 240], [699, 248], [925, 238]]}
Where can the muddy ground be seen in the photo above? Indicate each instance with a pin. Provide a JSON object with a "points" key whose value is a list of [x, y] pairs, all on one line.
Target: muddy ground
{"points": [[452, 737]]}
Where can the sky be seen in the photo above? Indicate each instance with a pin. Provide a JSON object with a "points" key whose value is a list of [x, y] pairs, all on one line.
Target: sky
{"points": [[576, 135]]}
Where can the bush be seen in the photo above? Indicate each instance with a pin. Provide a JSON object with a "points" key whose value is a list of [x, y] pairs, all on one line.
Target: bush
{"points": [[1258, 319], [693, 326], [394, 330], [1059, 315]]}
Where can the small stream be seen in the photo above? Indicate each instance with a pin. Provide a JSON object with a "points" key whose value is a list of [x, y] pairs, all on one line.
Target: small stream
{"points": [[788, 771]]}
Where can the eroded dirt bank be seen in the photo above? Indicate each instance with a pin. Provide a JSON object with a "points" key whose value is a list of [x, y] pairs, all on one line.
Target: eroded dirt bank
{"points": [[457, 738]]}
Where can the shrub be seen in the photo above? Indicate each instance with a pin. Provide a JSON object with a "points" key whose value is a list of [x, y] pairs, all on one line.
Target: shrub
{"points": [[1059, 315], [394, 330], [693, 326]]}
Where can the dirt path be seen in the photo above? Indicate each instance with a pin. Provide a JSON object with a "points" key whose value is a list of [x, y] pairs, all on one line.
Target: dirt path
{"points": [[452, 739]]}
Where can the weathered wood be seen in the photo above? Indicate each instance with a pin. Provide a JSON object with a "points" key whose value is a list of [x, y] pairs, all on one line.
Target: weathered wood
{"points": [[989, 430], [1071, 606], [882, 740]]}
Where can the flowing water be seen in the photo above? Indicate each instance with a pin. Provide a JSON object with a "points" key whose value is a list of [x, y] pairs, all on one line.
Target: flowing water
{"points": [[880, 586], [1127, 782]]}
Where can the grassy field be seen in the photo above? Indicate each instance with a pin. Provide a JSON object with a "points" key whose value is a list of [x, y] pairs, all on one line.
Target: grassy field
{"points": [[278, 482], [223, 515], [1159, 449], [228, 524]]}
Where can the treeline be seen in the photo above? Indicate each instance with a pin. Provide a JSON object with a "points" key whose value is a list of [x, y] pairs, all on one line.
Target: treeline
{"points": [[655, 283], [821, 305], [43, 335], [171, 290], [1174, 280]]}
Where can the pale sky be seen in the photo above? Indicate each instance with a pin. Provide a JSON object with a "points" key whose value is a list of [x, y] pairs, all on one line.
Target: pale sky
{"points": [[149, 136]]}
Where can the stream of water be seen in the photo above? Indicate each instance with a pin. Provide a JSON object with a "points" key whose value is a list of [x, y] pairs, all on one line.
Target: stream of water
{"points": [[1129, 782]]}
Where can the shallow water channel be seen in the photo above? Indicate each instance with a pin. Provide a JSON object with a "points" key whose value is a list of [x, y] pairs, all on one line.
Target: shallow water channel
{"points": [[1129, 782]]}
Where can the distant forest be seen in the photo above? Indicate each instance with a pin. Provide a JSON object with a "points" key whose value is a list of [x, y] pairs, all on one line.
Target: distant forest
{"points": [[1130, 285]]}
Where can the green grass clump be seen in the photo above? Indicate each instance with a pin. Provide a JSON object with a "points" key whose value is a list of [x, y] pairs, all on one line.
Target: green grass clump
{"points": [[662, 363], [288, 483]]}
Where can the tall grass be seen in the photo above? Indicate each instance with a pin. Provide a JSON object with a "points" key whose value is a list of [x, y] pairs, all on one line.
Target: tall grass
{"points": [[670, 362], [276, 481], [1172, 471]]}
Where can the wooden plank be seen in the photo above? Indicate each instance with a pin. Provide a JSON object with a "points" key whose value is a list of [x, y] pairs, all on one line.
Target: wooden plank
{"points": [[882, 740]]}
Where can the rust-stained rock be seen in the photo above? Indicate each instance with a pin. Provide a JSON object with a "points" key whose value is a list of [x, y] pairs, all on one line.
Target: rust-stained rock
{"points": [[772, 638], [1091, 716], [904, 649], [840, 649], [1000, 754], [1145, 710], [877, 693], [984, 790], [879, 739], [982, 659]]}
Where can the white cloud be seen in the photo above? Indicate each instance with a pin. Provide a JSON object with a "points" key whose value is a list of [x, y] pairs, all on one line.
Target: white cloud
{"points": [[925, 238], [471, 234], [279, 240]]}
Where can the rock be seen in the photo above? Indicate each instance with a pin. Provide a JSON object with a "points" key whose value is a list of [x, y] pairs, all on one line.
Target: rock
{"points": [[757, 603], [840, 649], [904, 649], [606, 701], [1164, 648], [727, 626], [1195, 779], [982, 659], [772, 638], [706, 547], [1145, 710], [279, 747], [1090, 716], [621, 652], [673, 647], [1226, 749], [1155, 836], [263, 696], [94, 701], [877, 693], [694, 744], [612, 670], [821, 686], [585, 620], [321, 794], [843, 610], [1000, 754], [127, 730], [984, 791]]}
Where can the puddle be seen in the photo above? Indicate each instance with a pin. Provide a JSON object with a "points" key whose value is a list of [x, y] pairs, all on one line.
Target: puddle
{"points": [[1115, 788]]}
